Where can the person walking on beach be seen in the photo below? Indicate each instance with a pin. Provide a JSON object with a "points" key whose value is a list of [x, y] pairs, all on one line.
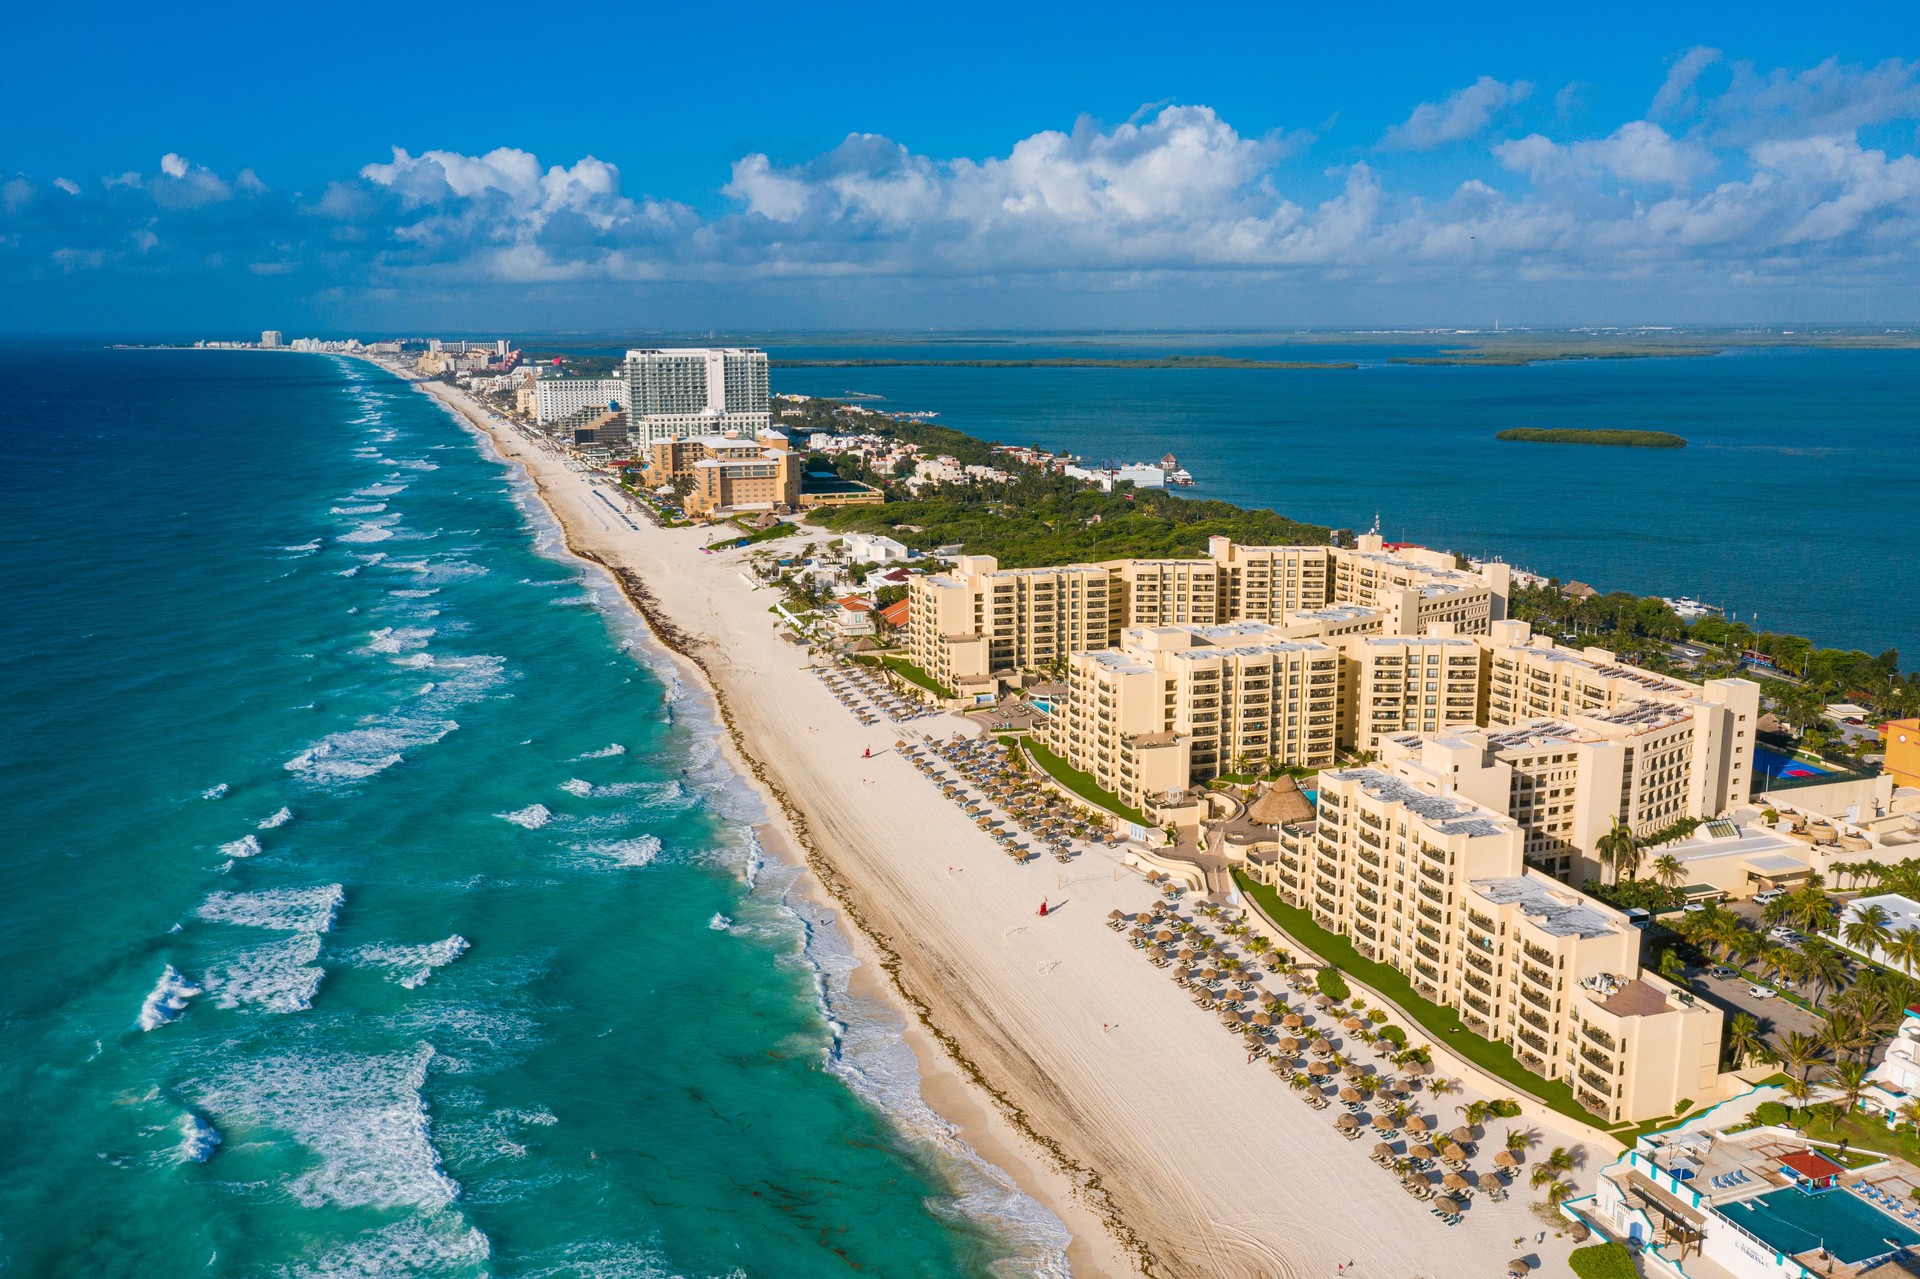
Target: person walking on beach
{"points": [[1043, 908]]}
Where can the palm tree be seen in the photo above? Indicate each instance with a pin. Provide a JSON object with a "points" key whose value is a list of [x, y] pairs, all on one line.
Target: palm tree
{"points": [[1558, 1193], [1798, 1051], [1441, 1087], [1518, 1139], [1909, 1114], [1668, 870], [1617, 851], [1475, 1113], [1561, 1160], [1826, 966], [1903, 950], [1797, 1091], [1867, 931], [1542, 1175], [1743, 1038], [1849, 1079]]}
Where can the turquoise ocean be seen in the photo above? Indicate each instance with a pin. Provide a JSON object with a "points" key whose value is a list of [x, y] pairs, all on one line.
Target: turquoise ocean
{"points": [[376, 902], [1785, 508]]}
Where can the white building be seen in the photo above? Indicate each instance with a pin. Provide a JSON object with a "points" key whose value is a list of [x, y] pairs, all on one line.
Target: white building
{"points": [[558, 397], [672, 394], [1138, 475], [272, 340], [871, 548]]}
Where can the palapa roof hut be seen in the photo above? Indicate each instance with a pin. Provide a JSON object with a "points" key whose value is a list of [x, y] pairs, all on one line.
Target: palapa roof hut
{"points": [[1383, 1122], [1420, 1152], [1293, 1021], [1351, 1096], [1381, 1150], [1417, 1123], [1346, 1121], [1280, 804], [1454, 1181], [1464, 1136], [1506, 1159], [1446, 1203], [1353, 1025], [1519, 1268], [1455, 1154]]}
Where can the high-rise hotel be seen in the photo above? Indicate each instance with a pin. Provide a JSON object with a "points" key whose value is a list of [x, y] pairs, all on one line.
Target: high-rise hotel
{"points": [[673, 394]]}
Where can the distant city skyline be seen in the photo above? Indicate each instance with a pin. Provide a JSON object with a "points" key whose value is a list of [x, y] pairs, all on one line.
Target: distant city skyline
{"points": [[871, 169]]}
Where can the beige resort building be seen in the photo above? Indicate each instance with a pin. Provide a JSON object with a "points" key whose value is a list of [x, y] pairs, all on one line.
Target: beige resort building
{"points": [[1435, 884]]}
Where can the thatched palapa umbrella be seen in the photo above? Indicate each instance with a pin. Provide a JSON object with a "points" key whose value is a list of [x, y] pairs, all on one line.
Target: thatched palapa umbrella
{"points": [[1262, 1019], [1319, 1068], [1420, 1152], [1454, 1154], [1446, 1203], [1418, 1123], [1455, 1182], [1230, 1016], [1383, 1123], [1381, 1150], [1345, 1122], [1321, 1048], [1518, 1268], [1288, 1044], [1352, 1025], [1506, 1159], [1293, 1021], [1351, 1096], [1115, 916], [1322, 1001], [1463, 1136]]}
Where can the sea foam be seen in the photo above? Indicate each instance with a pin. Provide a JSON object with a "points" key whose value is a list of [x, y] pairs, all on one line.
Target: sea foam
{"points": [[167, 1000], [532, 817], [290, 910], [279, 819], [245, 846], [634, 853], [279, 977], [198, 1138], [410, 966], [605, 752], [215, 792]]}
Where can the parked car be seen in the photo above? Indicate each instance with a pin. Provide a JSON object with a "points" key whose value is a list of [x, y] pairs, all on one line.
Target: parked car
{"points": [[1723, 972], [1695, 908], [1759, 992], [1770, 895]]}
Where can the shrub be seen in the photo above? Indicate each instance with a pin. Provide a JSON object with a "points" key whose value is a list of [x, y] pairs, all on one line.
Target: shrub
{"points": [[1603, 1261], [1332, 984], [1772, 1113], [1393, 1034], [1504, 1107]]}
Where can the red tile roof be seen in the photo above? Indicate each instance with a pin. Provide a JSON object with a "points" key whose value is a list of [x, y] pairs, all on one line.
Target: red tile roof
{"points": [[895, 614], [854, 603], [1811, 1164]]}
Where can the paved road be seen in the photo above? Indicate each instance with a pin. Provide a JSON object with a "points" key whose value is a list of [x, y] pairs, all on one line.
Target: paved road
{"points": [[1777, 1016]]}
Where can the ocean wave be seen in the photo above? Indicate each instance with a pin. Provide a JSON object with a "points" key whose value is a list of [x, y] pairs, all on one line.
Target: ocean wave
{"points": [[575, 601], [279, 977], [279, 819], [366, 533], [355, 754], [304, 548], [245, 846], [719, 923], [215, 792], [349, 572], [398, 639], [362, 1117], [639, 851], [416, 464], [365, 508], [198, 1138], [605, 752], [289, 910], [410, 594], [414, 661], [440, 1242], [577, 786], [532, 817], [167, 1000], [410, 966], [380, 490]]}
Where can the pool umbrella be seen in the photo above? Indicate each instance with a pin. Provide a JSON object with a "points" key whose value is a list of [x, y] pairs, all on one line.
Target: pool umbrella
{"points": [[1464, 1136]]}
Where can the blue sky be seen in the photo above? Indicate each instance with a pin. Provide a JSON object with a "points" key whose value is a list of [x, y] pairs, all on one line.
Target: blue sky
{"points": [[654, 167]]}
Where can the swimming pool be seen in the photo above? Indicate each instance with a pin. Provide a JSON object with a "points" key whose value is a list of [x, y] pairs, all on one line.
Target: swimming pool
{"points": [[1313, 797], [1769, 764], [1847, 1226]]}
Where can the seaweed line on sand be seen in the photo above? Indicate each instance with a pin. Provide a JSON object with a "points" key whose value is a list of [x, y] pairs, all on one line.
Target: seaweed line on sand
{"points": [[1088, 1183]]}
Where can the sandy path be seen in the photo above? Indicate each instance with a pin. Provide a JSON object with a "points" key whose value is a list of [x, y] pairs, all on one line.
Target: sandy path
{"points": [[1196, 1162]]}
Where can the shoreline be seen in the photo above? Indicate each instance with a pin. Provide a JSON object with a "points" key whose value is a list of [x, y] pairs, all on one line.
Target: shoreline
{"points": [[950, 1085], [1155, 1145]]}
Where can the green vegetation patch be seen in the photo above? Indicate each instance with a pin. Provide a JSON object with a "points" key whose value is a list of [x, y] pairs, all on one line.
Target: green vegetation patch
{"points": [[1441, 1022], [1582, 435], [1082, 784], [1603, 1261], [914, 675]]}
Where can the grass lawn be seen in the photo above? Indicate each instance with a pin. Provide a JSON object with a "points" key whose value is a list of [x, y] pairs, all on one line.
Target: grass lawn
{"points": [[1082, 784], [749, 537], [914, 675], [1860, 1132], [1440, 1022]]}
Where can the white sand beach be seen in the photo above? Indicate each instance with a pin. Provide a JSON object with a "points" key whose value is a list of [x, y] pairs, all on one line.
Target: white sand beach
{"points": [[1165, 1152]]}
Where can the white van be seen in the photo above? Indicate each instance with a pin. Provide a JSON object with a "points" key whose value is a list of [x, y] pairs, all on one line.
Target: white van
{"points": [[1770, 895]]}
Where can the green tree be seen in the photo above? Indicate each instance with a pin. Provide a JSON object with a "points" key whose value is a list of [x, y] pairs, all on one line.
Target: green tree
{"points": [[1668, 870], [1743, 1038], [1868, 930], [1618, 852], [1798, 1052]]}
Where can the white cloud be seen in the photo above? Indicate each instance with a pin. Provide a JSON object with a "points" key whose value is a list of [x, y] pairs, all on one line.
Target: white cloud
{"points": [[1463, 114], [68, 185], [1639, 153], [1676, 95], [173, 166]]}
